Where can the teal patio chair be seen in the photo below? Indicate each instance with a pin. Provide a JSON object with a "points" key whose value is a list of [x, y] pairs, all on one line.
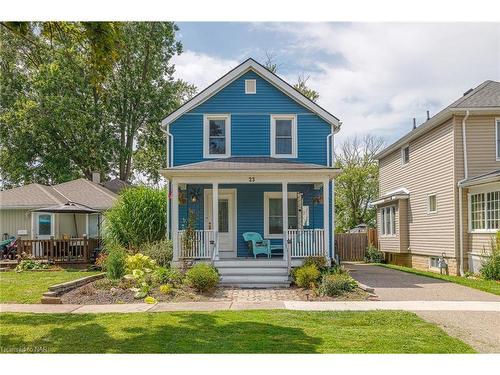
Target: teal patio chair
{"points": [[259, 245]]}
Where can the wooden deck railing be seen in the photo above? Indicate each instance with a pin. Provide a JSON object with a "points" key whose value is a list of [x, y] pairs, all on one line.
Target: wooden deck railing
{"points": [[59, 250], [200, 247], [307, 242]]}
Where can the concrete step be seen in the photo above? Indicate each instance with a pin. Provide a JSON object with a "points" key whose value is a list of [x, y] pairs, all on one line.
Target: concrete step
{"points": [[254, 279], [251, 271], [249, 263]]}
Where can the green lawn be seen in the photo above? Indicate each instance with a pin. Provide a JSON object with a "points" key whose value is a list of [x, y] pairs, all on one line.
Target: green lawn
{"points": [[28, 286], [490, 286], [270, 331]]}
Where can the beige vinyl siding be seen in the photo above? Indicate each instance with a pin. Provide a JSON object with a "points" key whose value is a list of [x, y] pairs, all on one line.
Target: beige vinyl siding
{"points": [[430, 170], [481, 158], [13, 220]]}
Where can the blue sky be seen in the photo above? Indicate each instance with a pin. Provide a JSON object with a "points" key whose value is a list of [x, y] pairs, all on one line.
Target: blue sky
{"points": [[374, 76]]}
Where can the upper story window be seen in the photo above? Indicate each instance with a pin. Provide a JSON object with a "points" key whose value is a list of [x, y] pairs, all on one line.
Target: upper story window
{"points": [[284, 136], [250, 86], [405, 154], [431, 204], [497, 131], [388, 221], [484, 212], [216, 136]]}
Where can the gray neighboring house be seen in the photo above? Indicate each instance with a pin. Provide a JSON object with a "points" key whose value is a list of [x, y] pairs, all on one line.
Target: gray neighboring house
{"points": [[440, 186], [18, 219]]}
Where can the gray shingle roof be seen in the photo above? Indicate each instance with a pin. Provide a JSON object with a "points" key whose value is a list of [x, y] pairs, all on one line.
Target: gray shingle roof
{"points": [[481, 179], [80, 191], [249, 163]]}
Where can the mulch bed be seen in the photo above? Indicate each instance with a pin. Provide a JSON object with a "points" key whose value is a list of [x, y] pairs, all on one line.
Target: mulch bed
{"points": [[106, 292]]}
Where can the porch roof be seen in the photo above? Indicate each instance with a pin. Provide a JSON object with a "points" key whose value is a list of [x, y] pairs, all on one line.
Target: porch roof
{"points": [[485, 178], [254, 164], [392, 196]]}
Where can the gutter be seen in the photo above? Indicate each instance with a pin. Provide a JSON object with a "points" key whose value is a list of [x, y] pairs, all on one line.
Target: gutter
{"points": [[460, 194]]}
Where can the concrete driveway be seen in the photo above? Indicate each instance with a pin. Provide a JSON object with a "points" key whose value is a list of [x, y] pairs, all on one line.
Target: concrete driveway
{"points": [[393, 285], [479, 329]]}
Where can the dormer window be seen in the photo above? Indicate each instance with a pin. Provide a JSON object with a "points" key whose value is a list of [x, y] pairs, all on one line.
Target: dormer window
{"points": [[405, 154], [216, 136], [250, 86], [284, 136]]}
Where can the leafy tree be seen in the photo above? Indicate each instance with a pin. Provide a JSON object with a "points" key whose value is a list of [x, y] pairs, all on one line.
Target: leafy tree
{"points": [[357, 186], [84, 97], [302, 87]]}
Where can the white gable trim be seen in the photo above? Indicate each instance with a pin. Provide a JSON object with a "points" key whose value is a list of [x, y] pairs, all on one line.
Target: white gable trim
{"points": [[241, 69]]}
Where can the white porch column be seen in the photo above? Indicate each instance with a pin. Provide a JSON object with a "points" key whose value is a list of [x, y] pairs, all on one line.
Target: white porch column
{"points": [[326, 215], [215, 216], [284, 190], [175, 219], [168, 231]]}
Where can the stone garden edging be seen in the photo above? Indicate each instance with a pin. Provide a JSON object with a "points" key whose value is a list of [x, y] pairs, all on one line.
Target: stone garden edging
{"points": [[52, 296]]}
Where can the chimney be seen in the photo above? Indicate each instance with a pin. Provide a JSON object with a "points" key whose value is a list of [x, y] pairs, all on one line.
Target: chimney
{"points": [[428, 116], [96, 177], [414, 123]]}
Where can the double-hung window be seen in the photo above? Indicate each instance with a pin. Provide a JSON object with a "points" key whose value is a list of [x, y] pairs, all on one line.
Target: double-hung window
{"points": [[216, 136], [273, 214], [284, 136], [388, 221], [484, 211], [405, 155]]}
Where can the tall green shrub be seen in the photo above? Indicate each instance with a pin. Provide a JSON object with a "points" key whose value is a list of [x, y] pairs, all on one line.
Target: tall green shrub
{"points": [[115, 262], [490, 269], [139, 216]]}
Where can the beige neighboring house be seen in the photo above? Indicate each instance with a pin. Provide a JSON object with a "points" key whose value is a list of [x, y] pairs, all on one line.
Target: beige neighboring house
{"points": [[18, 219], [440, 186]]}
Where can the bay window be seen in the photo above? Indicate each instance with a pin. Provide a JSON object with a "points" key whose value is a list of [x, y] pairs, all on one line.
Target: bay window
{"points": [[388, 221]]}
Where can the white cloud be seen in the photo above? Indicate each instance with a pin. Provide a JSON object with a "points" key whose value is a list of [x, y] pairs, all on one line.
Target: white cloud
{"points": [[390, 73], [201, 69]]}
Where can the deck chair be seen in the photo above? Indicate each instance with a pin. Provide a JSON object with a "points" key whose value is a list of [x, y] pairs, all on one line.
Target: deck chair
{"points": [[258, 244]]}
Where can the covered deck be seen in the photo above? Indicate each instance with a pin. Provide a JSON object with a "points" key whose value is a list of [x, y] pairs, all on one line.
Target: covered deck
{"points": [[288, 204]]}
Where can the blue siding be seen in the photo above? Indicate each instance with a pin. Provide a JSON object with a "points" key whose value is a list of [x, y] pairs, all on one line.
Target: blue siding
{"points": [[250, 123], [250, 208]]}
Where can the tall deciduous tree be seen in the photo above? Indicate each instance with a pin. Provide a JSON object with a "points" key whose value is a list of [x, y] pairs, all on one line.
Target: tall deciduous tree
{"points": [[357, 185]]}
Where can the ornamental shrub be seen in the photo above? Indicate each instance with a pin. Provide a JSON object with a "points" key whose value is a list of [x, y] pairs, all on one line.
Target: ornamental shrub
{"points": [[320, 262], [31, 264], [139, 262], [336, 284], [164, 275], [115, 262], [307, 276], [166, 289], [160, 251], [490, 269], [373, 255], [139, 216], [202, 277]]}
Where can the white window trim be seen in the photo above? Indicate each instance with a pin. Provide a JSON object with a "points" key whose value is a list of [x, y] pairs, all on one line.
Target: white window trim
{"points": [[431, 267], [254, 85], [469, 213], [429, 204], [275, 195], [403, 154], [294, 135], [206, 135], [497, 124], [392, 219]]}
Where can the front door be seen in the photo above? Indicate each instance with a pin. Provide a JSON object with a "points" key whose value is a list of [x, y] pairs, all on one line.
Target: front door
{"points": [[227, 220], [44, 229]]}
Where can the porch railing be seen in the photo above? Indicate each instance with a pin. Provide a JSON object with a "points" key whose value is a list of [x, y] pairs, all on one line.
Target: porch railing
{"points": [[200, 246], [59, 250], [307, 242]]}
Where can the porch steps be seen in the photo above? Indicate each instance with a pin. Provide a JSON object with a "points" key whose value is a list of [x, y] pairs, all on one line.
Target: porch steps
{"points": [[253, 273]]}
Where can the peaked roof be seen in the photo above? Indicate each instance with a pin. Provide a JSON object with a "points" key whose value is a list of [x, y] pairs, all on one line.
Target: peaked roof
{"points": [[80, 191], [251, 64], [485, 97]]}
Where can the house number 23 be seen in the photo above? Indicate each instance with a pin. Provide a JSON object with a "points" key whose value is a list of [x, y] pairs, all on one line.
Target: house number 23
{"points": [[251, 179]]}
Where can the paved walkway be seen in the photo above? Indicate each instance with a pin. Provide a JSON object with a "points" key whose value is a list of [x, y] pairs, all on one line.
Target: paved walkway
{"points": [[478, 306], [393, 285]]}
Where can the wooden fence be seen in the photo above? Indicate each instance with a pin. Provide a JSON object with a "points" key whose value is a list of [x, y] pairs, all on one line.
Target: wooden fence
{"points": [[72, 250], [352, 246]]}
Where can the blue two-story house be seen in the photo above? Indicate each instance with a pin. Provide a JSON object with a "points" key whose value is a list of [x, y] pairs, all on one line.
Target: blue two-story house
{"points": [[250, 165]]}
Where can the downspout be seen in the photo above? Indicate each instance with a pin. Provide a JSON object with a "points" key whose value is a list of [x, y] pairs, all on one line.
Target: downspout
{"points": [[335, 130], [169, 137], [460, 193]]}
